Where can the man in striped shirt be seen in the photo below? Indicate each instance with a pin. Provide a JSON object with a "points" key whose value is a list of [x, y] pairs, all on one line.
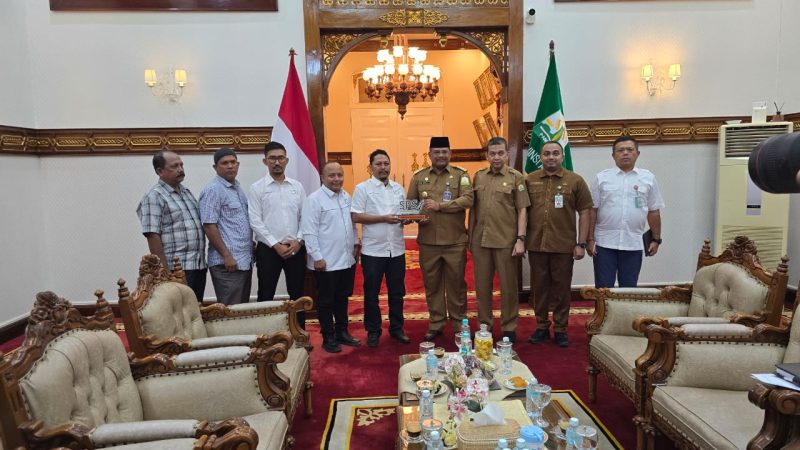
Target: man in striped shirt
{"points": [[170, 220]]}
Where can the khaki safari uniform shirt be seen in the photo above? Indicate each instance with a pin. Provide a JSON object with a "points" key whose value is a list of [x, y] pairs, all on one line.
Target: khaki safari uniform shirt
{"points": [[552, 229], [446, 226], [498, 198]]}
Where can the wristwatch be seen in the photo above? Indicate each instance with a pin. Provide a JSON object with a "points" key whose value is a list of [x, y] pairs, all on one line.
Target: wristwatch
{"points": [[658, 241], [521, 237], [581, 245]]}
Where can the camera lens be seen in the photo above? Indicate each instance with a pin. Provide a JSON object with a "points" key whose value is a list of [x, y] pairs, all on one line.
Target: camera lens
{"points": [[774, 164]]}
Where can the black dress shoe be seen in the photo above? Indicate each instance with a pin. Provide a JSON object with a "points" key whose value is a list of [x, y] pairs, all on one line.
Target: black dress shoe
{"points": [[432, 334], [400, 336], [344, 338], [331, 347], [511, 335], [373, 339], [562, 340], [539, 336]]}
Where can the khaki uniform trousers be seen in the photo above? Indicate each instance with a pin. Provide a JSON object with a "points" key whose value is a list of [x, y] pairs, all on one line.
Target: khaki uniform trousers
{"points": [[443, 274], [485, 261], [551, 281]]}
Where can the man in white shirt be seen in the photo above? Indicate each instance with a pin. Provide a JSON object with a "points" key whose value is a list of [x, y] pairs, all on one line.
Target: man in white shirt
{"points": [[376, 203], [330, 238], [626, 198], [274, 206]]}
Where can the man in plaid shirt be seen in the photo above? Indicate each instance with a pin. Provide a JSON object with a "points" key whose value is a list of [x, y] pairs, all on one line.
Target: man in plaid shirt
{"points": [[170, 218]]}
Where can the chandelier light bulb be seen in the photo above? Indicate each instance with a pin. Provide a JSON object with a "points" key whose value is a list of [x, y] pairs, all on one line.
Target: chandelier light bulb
{"points": [[417, 69], [421, 56], [397, 51], [402, 69], [378, 69], [412, 52], [389, 69]]}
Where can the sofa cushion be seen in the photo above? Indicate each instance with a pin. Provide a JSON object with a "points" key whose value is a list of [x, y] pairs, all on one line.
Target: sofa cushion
{"points": [[720, 290], [83, 376], [620, 314], [255, 324], [271, 427], [711, 418], [172, 310], [792, 354], [619, 354]]}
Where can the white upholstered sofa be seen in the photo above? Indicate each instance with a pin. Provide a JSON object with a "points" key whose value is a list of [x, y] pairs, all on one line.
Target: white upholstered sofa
{"points": [[71, 384], [730, 288], [163, 316], [698, 387]]}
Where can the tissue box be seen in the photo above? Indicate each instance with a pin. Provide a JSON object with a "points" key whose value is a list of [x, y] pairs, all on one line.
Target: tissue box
{"points": [[471, 437]]}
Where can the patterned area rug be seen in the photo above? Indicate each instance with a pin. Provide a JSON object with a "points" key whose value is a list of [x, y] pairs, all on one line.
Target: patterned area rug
{"points": [[371, 422]]}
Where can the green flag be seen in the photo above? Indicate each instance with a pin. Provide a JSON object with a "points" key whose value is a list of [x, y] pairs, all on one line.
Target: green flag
{"points": [[549, 124]]}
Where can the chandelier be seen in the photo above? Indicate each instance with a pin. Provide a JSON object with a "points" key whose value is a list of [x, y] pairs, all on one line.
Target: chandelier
{"points": [[401, 75]]}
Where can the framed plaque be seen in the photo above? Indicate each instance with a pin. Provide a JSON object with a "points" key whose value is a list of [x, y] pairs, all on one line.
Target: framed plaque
{"points": [[411, 210]]}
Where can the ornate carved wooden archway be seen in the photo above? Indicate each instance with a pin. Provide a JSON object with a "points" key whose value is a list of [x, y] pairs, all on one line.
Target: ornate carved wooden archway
{"points": [[334, 27]]}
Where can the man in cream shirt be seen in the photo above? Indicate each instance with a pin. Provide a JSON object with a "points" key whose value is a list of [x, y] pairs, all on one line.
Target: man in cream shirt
{"points": [[376, 203], [330, 238]]}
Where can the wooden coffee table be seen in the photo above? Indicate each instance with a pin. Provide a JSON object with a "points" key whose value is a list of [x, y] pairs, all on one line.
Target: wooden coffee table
{"points": [[408, 411]]}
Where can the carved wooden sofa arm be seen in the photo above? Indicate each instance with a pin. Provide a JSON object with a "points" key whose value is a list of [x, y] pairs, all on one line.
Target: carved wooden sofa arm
{"points": [[231, 434], [781, 416]]}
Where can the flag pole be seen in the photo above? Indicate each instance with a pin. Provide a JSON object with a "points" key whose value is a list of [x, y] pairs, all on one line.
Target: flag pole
{"points": [[292, 52], [552, 46]]}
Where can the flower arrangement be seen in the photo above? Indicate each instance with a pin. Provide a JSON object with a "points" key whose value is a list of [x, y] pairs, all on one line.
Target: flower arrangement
{"points": [[469, 387]]}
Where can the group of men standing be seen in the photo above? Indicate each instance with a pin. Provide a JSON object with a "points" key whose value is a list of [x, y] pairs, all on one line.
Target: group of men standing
{"points": [[509, 214]]}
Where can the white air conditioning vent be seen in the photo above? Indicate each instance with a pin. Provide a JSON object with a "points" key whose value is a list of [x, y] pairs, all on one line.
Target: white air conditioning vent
{"points": [[769, 242], [741, 140], [741, 207]]}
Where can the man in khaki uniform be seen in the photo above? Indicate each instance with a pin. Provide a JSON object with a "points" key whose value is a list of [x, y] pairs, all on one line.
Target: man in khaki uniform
{"points": [[556, 196], [445, 192], [497, 225]]}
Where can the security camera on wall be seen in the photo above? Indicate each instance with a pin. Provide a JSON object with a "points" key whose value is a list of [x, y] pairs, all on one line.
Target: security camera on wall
{"points": [[530, 17]]}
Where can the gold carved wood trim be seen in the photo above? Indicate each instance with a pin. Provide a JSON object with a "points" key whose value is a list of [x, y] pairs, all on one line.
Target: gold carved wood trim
{"points": [[682, 130], [120, 141]]}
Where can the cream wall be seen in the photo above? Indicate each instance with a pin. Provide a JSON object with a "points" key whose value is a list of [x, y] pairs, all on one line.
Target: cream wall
{"points": [[729, 52], [15, 91], [72, 226]]}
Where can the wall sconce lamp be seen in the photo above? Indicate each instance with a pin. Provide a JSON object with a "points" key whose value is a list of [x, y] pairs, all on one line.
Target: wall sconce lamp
{"points": [[656, 82], [170, 86]]}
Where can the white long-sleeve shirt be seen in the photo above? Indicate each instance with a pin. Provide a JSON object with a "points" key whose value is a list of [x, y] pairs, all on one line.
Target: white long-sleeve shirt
{"points": [[274, 209], [328, 230]]}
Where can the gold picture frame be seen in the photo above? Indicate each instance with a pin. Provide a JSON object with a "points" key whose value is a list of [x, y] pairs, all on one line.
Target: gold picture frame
{"points": [[494, 130], [484, 100], [482, 131]]}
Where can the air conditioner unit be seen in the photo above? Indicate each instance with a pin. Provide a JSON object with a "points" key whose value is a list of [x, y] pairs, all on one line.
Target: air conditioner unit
{"points": [[743, 208]]}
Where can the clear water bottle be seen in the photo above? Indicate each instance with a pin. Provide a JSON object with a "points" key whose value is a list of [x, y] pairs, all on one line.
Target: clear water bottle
{"points": [[520, 444], [436, 441], [425, 406], [466, 344], [571, 436], [502, 444], [530, 404], [431, 366]]}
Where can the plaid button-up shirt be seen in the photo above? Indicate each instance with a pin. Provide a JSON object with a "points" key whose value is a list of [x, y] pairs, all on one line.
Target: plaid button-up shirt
{"points": [[175, 215]]}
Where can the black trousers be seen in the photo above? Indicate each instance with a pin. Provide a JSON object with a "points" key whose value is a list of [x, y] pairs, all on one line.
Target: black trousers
{"points": [[269, 265], [196, 279], [333, 289], [374, 269]]}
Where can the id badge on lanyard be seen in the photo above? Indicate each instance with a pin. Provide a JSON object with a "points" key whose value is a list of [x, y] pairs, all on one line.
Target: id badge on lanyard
{"points": [[638, 198], [447, 195], [558, 199]]}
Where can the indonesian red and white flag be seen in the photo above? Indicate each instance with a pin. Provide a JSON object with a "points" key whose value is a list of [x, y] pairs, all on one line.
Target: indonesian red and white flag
{"points": [[293, 130]]}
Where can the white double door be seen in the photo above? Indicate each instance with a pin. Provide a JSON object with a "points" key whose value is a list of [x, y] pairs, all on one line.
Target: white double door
{"points": [[406, 141]]}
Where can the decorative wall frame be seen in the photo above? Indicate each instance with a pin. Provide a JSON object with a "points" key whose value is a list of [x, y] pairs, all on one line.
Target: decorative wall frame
{"points": [[494, 130]]}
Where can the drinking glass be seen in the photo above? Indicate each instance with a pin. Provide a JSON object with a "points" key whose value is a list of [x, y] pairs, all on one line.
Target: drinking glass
{"points": [[458, 342], [424, 347], [587, 437], [504, 352], [541, 399]]}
